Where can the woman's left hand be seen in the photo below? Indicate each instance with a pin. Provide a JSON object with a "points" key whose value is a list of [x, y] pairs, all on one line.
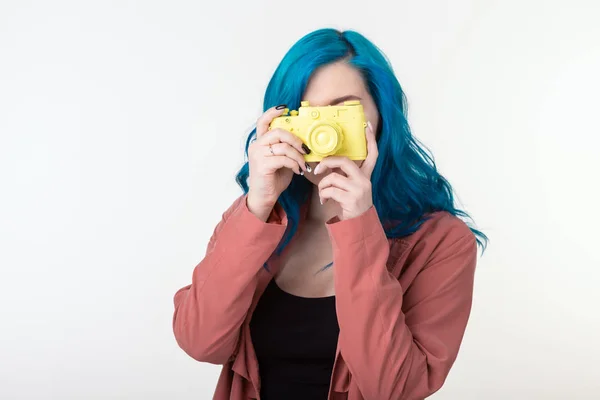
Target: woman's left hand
{"points": [[352, 192]]}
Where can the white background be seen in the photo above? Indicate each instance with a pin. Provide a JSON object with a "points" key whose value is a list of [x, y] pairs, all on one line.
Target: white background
{"points": [[122, 125]]}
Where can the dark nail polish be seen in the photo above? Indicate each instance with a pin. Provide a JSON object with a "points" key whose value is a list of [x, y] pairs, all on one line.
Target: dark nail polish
{"points": [[305, 148], [281, 107], [308, 168]]}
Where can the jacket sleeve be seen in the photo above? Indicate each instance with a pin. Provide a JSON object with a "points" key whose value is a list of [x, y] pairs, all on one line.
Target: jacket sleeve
{"points": [[399, 343], [210, 311]]}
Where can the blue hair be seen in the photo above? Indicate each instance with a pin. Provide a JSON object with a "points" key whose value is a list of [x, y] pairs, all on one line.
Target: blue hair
{"points": [[406, 183]]}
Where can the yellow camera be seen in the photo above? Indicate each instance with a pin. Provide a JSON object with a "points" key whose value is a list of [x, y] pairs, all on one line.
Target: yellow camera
{"points": [[328, 130]]}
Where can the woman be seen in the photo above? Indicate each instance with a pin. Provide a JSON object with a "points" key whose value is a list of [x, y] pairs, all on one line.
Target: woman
{"points": [[341, 279]]}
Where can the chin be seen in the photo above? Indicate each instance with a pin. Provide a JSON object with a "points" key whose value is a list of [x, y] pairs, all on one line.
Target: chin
{"points": [[315, 179]]}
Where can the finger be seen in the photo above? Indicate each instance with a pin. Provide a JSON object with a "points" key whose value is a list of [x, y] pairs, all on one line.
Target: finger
{"points": [[282, 136], [372, 151], [333, 193], [343, 163], [275, 163], [284, 149], [337, 180], [262, 124]]}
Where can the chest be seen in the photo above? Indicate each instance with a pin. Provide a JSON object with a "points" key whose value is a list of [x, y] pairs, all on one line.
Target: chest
{"points": [[302, 268], [245, 364]]}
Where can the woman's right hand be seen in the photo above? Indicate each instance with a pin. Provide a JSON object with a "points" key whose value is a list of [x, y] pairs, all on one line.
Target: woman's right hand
{"points": [[273, 158]]}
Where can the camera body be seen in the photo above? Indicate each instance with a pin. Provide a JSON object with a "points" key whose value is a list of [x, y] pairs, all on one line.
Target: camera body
{"points": [[328, 130]]}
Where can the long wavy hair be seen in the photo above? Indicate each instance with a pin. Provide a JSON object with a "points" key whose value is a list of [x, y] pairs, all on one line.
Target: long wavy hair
{"points": [[406, 184]]}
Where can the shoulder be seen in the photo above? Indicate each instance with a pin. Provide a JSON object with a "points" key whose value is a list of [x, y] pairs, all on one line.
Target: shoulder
{"points": [[442, 226], [440, 237]]}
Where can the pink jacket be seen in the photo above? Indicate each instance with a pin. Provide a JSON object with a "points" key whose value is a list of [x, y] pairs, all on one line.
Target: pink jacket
{"points": [[402, 304]]}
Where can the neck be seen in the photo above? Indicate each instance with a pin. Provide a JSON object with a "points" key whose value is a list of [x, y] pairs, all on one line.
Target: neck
{"points": [[321, 212]]}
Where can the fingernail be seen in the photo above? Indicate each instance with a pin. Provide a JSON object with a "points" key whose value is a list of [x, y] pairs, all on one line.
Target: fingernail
{"points": [[305, 148], [321, 201], [308, 168], [281, 107], [370, 126], [317, 169], [301, 173]]}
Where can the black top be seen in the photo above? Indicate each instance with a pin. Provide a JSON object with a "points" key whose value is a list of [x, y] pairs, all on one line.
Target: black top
{"points": [[295, 339]]}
